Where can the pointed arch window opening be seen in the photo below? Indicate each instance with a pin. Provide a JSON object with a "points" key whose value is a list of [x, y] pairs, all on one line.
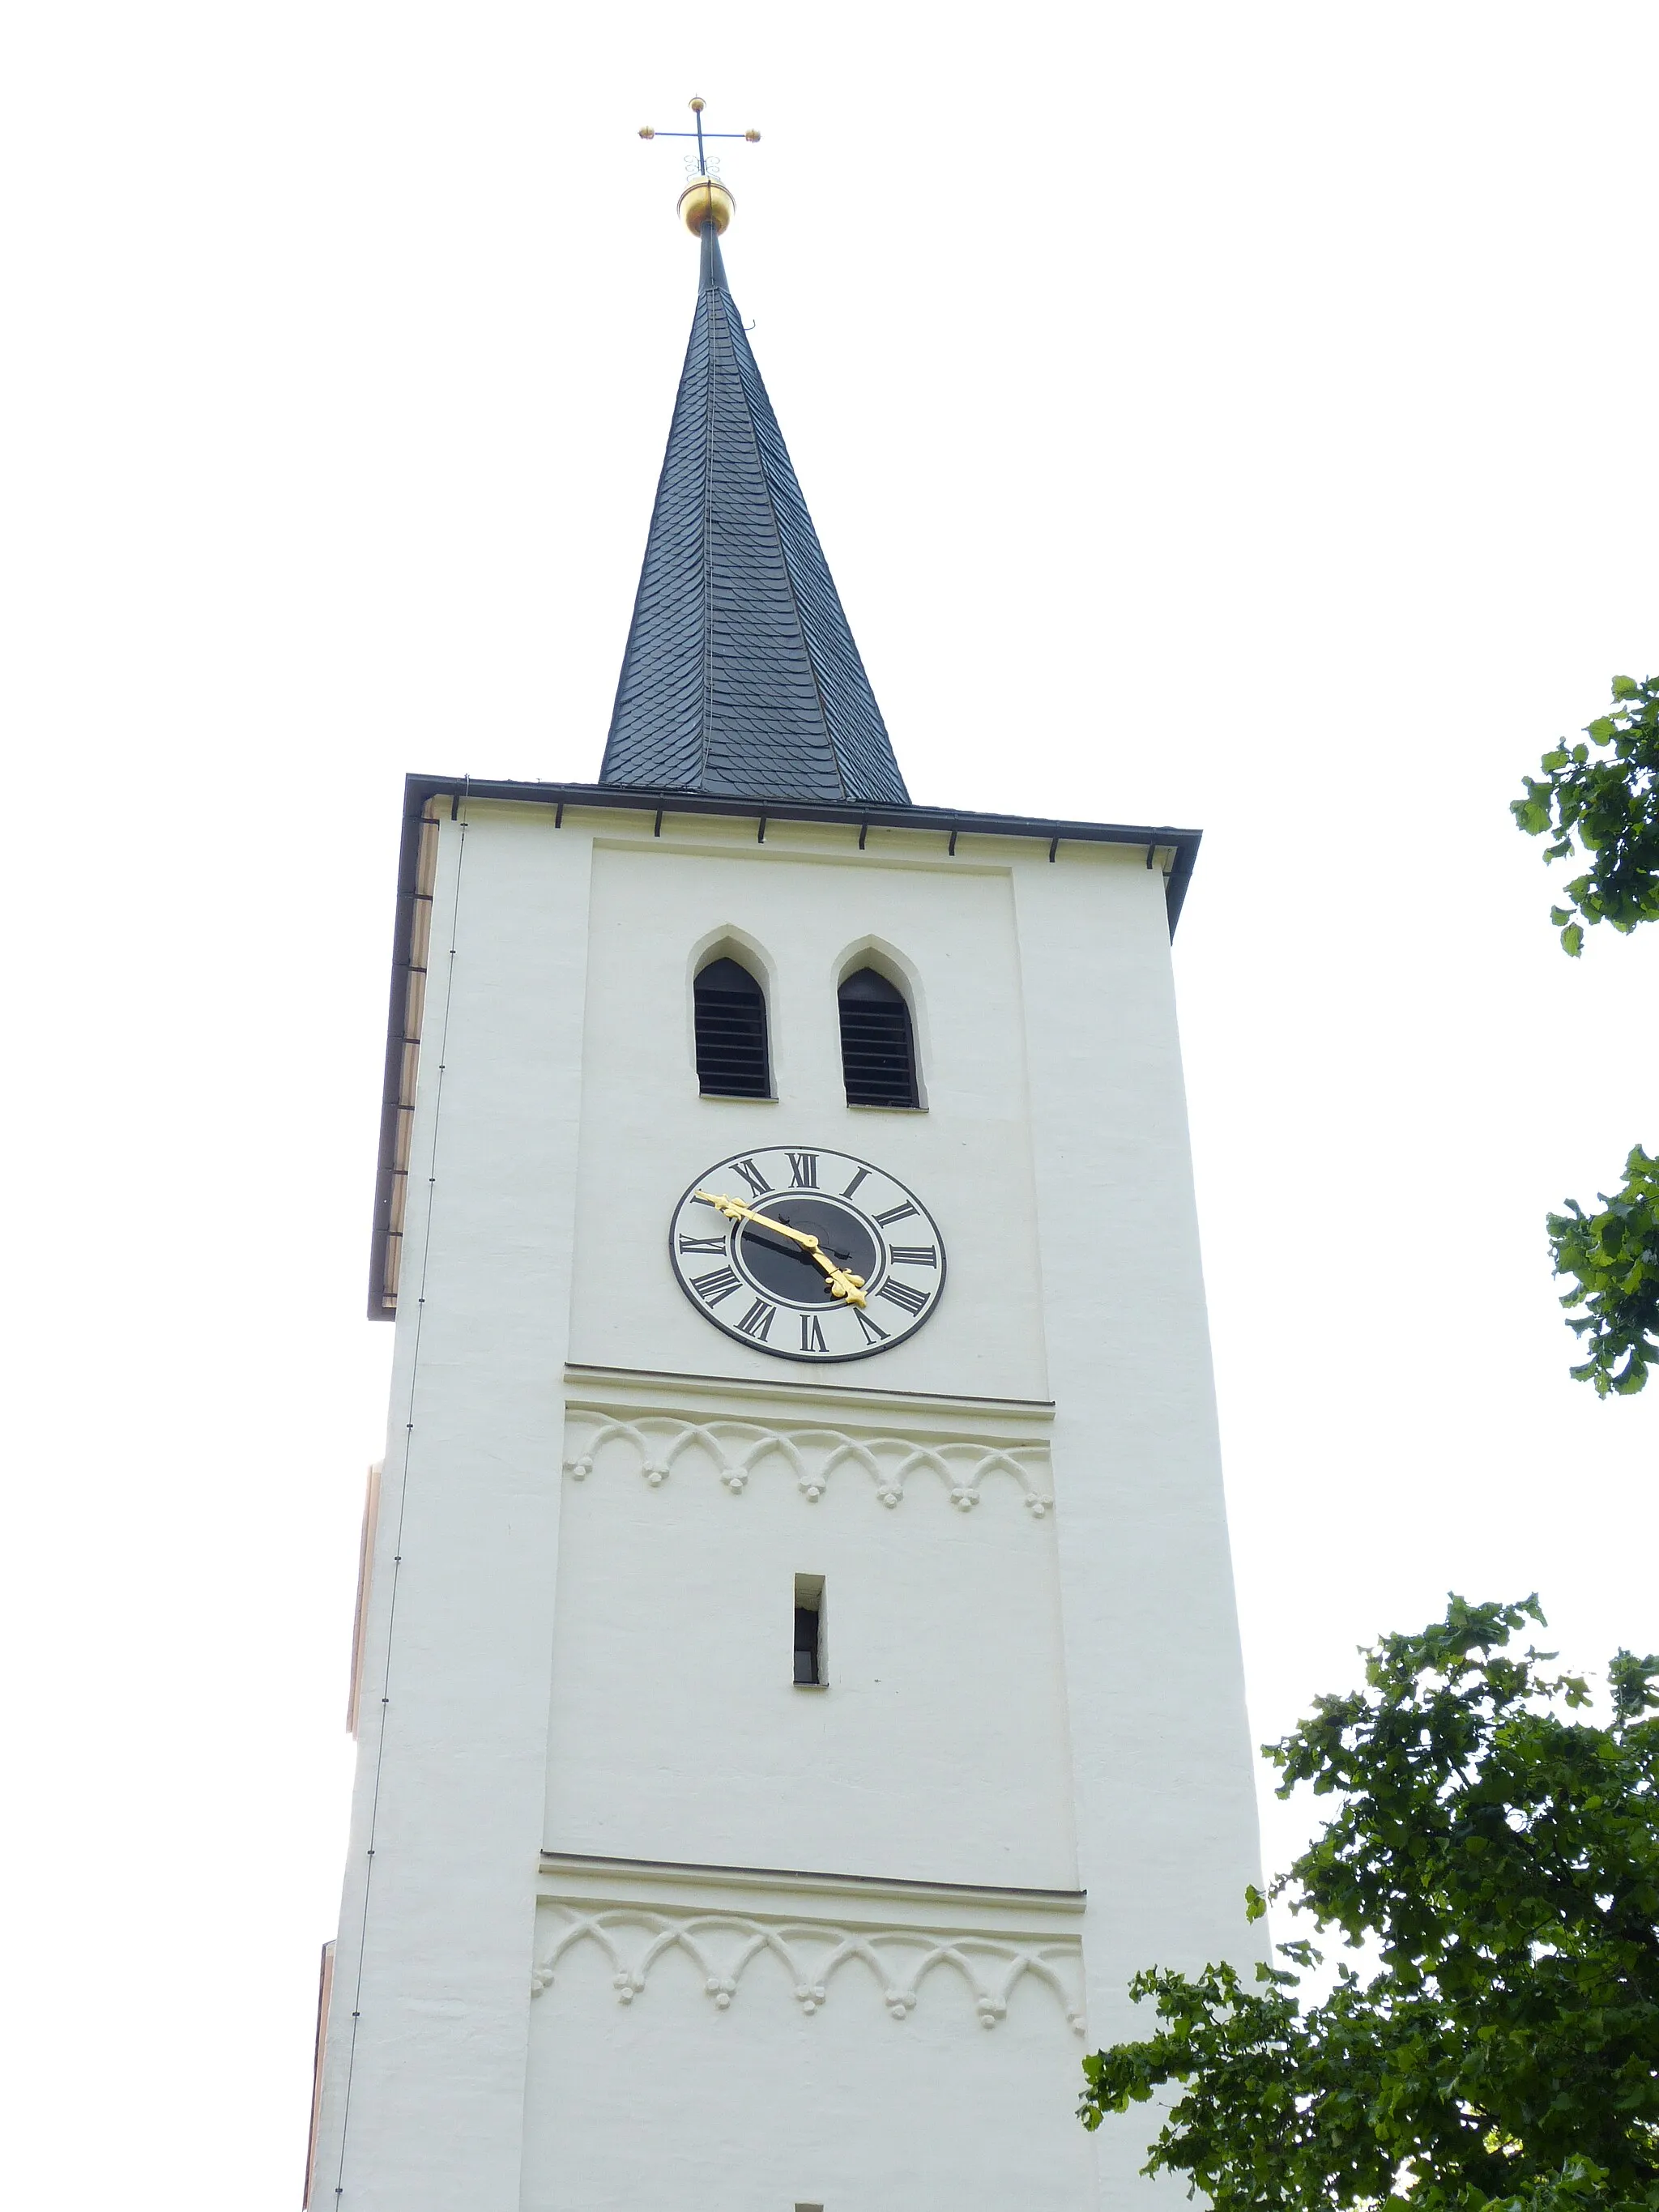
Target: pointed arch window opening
{"points": [[878, 1043], [729, 1015]]}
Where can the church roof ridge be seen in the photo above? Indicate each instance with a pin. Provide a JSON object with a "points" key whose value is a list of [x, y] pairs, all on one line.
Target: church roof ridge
{"points": [[740, 674]]}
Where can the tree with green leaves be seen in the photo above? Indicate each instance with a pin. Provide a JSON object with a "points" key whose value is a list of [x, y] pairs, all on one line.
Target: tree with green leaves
{"points": [[1613, 1258], [1600, 800], [1496, 1854]]}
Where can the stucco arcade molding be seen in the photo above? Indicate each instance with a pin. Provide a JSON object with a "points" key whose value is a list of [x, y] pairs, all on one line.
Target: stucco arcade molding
{"points": [[900, 1943], [623, 1431]]}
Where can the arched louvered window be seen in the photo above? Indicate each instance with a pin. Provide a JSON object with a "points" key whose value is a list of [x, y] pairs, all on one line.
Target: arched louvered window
{"points": [[877, 1052], [730, 1019]]}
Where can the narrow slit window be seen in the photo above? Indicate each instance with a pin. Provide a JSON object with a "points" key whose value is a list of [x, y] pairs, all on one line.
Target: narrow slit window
{"points": [[878, 1049], [730, 1008], [809, 1631]]}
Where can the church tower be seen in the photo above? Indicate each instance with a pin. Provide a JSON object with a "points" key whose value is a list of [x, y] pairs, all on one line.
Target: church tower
{"points": [[797, 1678]]}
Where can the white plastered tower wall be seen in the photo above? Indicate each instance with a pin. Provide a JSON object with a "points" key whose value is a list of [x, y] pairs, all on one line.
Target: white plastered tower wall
{"points": [[628, 1917]]}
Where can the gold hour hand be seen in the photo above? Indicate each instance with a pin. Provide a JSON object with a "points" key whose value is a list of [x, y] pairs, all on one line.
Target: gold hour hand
{"points": [[841, 1284]]}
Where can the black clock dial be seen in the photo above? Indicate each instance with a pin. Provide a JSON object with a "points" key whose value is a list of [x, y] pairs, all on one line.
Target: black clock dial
{"points": [[807, 1254], [788, 1269]]}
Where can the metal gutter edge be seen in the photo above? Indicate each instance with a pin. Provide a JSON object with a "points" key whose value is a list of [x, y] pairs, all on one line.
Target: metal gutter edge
{"points": [[416, 857], [411, 933]]}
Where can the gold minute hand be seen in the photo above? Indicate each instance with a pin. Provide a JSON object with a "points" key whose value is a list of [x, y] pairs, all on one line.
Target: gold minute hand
{"points": [[841, 1285], [735, 1210]]}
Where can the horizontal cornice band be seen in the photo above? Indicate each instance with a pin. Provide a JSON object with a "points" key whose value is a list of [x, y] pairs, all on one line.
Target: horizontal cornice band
{"points": [[593, 1871]]}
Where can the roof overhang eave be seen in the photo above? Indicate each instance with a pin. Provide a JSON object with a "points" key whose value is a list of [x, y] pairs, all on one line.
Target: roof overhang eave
{"points": [[951, 822]]}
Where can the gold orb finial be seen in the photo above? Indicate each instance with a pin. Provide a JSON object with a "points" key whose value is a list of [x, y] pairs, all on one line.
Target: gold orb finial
{"points": [[706, 202]]}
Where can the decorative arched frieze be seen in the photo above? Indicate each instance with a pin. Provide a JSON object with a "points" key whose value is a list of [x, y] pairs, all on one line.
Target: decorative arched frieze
{"points": [[657, 1444], [817, 1957]]}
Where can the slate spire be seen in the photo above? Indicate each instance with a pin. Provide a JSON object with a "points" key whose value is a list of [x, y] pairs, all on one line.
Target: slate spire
{"points": [[740, 676]]}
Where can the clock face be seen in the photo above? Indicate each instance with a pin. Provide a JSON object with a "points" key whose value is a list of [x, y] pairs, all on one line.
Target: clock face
{"points": [[810, 1254]]}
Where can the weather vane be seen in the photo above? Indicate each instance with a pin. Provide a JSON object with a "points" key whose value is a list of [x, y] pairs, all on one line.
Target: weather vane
{"points": [[706, 203], [697, 104]]}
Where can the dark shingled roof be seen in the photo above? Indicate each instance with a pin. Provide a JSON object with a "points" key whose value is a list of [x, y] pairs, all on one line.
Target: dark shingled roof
{"points": [[741, 677]]}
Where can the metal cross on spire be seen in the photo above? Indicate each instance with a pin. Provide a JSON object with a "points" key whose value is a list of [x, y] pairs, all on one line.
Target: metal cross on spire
{"points": [[697, 104]]}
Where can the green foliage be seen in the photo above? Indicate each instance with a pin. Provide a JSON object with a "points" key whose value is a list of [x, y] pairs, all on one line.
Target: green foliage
{"points": [[1605, 795], [1609, 802], [1498, 1851], [1614, 1255]]}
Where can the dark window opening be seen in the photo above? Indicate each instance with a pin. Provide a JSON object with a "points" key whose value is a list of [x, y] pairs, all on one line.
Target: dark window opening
{"points": [[730, 1022], [809, 1631], [878, 1051]]}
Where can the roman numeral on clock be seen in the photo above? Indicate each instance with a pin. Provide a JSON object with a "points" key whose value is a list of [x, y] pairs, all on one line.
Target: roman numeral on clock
{"points": [[903, 1295], [703, 1243], [913, 1255], [803, 1170], [873, 1331], [811, 1334], [713, 1287], [752, 1175], [857, 1180], [896, 1213], [758, 1320]]}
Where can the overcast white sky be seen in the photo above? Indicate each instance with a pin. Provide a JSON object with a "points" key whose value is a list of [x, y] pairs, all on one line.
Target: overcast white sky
{"points": [[1233, 416]]}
